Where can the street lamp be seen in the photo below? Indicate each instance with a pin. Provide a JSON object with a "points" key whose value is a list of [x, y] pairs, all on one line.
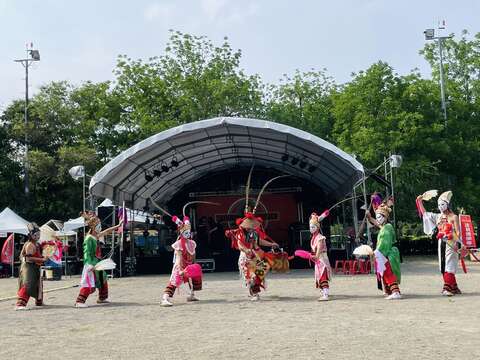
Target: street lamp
{"points": [[430, 35], [32, 55]]}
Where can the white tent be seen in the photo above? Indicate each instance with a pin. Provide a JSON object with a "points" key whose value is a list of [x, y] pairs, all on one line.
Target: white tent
{"points": [[10, 222], [136, 216], [73, 224]]}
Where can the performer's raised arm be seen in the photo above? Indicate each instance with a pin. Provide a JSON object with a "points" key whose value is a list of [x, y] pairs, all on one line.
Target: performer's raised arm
{"points": [[110, 229]]}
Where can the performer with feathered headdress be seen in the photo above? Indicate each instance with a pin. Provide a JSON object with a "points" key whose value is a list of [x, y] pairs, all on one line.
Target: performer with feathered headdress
{"points": [[29, 280], [323, 271], [387, 256], [247, 238], [91, 278], [184, 270], [184, 255], [445, 226]]}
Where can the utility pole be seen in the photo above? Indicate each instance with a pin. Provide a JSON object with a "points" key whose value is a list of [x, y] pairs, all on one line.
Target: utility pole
{"points": [[32, 55]]}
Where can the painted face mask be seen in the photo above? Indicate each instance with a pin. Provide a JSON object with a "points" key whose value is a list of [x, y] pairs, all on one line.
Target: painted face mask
{"points": [[313, 229], [442, 206], [36, 235], [187, 234], [98, 227], [380, 219]]}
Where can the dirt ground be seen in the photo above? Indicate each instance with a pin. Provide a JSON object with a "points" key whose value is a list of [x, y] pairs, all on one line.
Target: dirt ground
{"points": [[288, 323]]}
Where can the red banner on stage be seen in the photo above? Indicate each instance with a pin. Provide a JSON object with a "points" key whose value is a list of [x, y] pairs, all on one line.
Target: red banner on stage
{"points": [[467, 232]]}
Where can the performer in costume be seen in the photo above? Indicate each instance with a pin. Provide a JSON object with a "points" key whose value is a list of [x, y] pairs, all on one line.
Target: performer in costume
{"points": [[387, 256], [247, 238], [92, 279], [446, 226], [184, 255], [323, 271], [29, 281]]}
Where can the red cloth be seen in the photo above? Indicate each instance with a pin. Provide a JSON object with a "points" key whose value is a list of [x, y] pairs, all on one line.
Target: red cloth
{"points": [[450, 279], [7, 250], [388, 275]]}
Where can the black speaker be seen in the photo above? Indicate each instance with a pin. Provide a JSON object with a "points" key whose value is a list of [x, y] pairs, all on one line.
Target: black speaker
{"points": [[107, 216]]}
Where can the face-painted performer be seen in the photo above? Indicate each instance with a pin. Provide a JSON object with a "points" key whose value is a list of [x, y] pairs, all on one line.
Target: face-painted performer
{"points": [[247, 238], [184, 255], [29, 280], [448, 235], [387, 256], [184, 270], [92, 279], [318, 246]]}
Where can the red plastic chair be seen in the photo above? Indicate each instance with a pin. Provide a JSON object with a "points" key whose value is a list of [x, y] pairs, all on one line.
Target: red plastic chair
{"points": [[339, 265], [368, 267], [362, 266]]}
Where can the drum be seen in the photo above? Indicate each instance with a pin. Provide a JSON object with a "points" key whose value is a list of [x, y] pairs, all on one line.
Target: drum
{"points": [[278, 261]]}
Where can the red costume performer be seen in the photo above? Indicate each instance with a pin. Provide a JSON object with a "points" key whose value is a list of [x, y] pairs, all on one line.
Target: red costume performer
{"points": [[247, 238]]}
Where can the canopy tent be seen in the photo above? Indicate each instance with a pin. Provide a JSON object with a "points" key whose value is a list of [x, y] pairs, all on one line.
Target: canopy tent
{"points": [[10, 222], [198, 149], [73, 224], [49, 229], [136, 216]]}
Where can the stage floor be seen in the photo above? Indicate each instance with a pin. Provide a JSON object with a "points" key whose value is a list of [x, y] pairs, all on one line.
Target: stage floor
{"points": [[288, 323]]}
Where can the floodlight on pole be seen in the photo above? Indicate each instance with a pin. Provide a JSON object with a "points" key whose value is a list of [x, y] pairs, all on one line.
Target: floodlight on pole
{"points": [[430, 35], [76, 173], [32, 55]]}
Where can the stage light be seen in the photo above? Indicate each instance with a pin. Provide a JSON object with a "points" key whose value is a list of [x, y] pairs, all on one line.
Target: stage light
{"points": [[312, 168], [165, 168], [284, 157], [174, 162], [157, 172], [395, 161], [302, 164], [294, 161], [148, 176]]}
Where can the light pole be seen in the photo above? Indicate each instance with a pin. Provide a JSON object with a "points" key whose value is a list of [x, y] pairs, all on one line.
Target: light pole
{"points": [[76, 173], [430, 35], [32, 55]]}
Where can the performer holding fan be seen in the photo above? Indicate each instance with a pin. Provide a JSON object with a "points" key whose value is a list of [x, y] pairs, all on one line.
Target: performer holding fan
{"points": [[184, 270], [29, 280], [387, 256], [446, 226], [318, 245], [93, 277], [183, 258]]}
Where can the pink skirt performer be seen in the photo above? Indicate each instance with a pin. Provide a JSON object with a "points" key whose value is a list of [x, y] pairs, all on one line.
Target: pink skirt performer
{"points": [[184, 270], [184, 256], [323, 270]]}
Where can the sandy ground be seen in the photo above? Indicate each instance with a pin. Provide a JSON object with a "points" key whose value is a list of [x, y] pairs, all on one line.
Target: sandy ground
{"points": [[287, 324]]}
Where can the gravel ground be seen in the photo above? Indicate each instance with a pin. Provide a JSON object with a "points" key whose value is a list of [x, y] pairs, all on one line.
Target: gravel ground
{"points": [[287, 324]]}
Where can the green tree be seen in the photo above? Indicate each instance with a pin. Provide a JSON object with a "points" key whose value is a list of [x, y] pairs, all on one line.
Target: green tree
{"points": [[303, 101], [193, 80]]}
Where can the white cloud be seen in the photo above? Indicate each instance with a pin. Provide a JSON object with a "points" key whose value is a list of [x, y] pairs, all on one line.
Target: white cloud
{"points": [[156, 11]]}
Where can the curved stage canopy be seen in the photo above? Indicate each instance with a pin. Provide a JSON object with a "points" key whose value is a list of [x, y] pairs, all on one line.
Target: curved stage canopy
{"points": [[206, 147]]}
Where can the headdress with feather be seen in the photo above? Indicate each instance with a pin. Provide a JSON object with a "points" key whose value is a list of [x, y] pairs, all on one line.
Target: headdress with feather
{"points": [[250, 221]]}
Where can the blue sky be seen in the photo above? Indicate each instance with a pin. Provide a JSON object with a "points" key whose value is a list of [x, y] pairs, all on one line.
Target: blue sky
{"points": [[80, 40]]}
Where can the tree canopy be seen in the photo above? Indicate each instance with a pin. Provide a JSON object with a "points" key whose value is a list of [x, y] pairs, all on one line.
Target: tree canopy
{"points": [[376, 113]]}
